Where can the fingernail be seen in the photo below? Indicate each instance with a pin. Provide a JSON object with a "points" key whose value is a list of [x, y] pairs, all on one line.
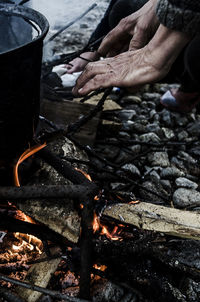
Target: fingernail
{"points": [[80, 90]]}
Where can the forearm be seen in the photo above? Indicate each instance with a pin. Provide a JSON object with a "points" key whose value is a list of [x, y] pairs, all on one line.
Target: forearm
{"points": [[167, 45]]}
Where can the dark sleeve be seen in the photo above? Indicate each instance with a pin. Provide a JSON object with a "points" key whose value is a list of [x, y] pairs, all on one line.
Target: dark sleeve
{"points": [[103, 27], [182, 15]]}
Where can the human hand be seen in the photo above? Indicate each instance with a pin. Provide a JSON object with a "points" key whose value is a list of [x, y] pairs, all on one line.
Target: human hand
{"points": [[78, 64], [132, 32], [133, 69]]}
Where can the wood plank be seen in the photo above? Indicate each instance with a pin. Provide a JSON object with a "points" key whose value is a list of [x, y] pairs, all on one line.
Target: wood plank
{"points": [[65, 112], [157, 218]]}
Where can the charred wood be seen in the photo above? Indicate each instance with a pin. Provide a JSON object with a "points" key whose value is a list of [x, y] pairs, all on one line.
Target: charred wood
{"points": [[62, 167], [15, 225], [86, 248], [52, 191], [54, 294], [10, 296]]}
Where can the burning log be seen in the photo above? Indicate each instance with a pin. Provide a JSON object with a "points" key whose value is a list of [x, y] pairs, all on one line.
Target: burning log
{"points": [[157, 218], [39, 274], [59, 216]]}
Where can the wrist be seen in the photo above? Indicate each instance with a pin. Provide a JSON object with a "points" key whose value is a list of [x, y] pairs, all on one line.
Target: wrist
{"points": [[167, 45]]}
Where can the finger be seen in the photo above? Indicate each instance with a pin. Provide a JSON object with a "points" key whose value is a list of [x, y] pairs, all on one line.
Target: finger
{"points": [[138, 41], [91, 70], [97, 82]]}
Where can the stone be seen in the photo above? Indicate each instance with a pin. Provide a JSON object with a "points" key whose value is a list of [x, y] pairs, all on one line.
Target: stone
{"points": [[154, 174], [127, 114], [155, 186], [149, 137], [187, 158], [158, 159], [127, 126], [182, 135], [132, 99], [135, 149], [186, 183], [168, 133], [166, 184], [132, 168], [124, 134], [186, 197], [194, 129], [166, 118], [171, 172], [152, 113], [148, 96], [139, 128]]}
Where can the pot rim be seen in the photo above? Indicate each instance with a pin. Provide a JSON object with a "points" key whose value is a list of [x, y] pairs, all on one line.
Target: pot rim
{"points": [[30, 14]]}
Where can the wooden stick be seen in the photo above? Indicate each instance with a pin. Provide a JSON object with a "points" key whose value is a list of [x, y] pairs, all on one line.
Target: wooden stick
{"points": [[52, 191], [51, 293], [157, 218]]}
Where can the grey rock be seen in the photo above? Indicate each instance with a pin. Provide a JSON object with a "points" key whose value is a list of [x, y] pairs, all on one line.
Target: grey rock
{"points": [[171, 172], [156, 118], [168, 133], [186, 197], [152, 113], [151, 96], [127, 114], [166, 118], [124, 157], [154, 174], [127, 126], [186, 183], [124, 134], [151, 105], [194, 129], [180, 121], [182, 135], [178, 163], [132, 99], [132, 168], [186, 157], [155, 186], [116, 185], [166, 184], [158, 159], [135, 149], [149, 137], [139, 128]]}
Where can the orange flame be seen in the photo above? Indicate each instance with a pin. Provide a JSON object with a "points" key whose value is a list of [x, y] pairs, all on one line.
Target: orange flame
{"points": [[25, 155], [84, 173], [104, 230]]}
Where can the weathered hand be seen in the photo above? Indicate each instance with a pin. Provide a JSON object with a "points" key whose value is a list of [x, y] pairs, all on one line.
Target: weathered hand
{"points": [[132, 32], [133, 69], [129, 69], [78, 64]]}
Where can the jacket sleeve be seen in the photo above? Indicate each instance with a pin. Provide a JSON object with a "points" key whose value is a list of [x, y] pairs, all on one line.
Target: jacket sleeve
{"points": [[103, 27], [179, 15]]}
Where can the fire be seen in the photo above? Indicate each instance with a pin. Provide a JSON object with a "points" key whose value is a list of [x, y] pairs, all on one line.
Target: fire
{"points": [[25, 155], [27, 242], [104, 230], [85, 174], [134, 202], [100, 267]]}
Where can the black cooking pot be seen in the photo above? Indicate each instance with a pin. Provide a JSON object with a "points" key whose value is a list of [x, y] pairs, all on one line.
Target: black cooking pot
{"points": [[22, 31]]}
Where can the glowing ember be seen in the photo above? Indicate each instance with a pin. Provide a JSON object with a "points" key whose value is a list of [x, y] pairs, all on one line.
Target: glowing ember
{"points": [[104, 230], [100, 267], [84, 173], [134, 202]]}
